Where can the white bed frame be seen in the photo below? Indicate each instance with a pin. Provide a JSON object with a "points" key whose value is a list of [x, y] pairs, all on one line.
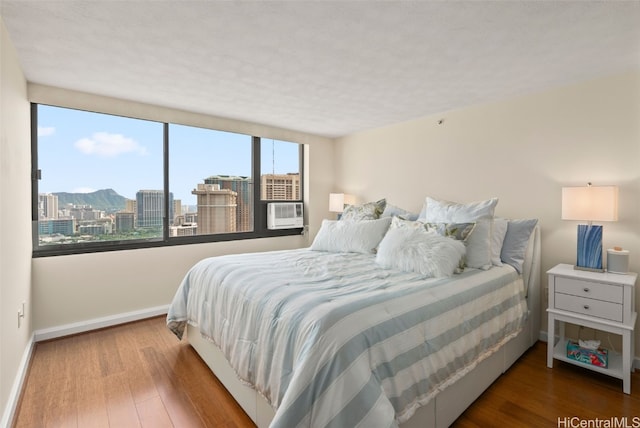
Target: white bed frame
{"points": [[445, 408]]}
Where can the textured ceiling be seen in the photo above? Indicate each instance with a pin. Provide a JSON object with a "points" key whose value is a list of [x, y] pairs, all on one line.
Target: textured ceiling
{"points": [[326, 68]]}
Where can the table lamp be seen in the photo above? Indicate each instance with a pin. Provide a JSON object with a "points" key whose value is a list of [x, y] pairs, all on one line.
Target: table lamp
{"points": [[590, 203], [337, 202]]}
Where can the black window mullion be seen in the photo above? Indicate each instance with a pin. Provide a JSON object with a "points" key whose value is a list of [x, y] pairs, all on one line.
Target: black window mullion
{"points": [[259, 212], [35, 175], [167, 202]]}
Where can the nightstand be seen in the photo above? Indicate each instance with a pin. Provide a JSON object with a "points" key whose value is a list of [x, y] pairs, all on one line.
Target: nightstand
{"points": [[599, 300]]}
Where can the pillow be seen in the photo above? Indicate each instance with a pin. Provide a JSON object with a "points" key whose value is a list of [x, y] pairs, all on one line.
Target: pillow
{"points": [[515, 242], [497, 238], [400, 223], [346, 236], [453, 212], [457, 231], [394, 211], [481, 212], [368, 211], [415, 250]]}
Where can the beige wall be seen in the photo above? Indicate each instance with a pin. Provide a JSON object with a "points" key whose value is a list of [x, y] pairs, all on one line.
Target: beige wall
{"points": [[523, 151], [15, 220], [79, 288]]}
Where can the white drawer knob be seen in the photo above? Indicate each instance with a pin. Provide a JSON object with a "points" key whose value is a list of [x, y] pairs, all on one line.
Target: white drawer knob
{"points": [[586, 306], [586, 290]]}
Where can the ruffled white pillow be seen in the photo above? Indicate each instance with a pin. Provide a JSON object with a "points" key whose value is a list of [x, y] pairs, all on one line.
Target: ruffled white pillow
{"points": [[415, 250]]}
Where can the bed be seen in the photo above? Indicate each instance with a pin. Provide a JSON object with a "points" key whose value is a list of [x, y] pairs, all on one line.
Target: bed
{"points": [[330, 338]]}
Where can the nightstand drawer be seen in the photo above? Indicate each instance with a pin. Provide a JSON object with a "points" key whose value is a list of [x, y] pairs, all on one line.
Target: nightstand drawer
{"points": [[590, 290], [591, 307]]}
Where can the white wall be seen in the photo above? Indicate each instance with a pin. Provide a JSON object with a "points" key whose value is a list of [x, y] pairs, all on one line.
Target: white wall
{"points": [[15, 223], [80, 288], [523, 151]]}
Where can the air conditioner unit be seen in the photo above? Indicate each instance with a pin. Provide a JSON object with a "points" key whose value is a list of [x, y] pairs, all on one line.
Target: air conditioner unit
{"points": [[284, 215]]}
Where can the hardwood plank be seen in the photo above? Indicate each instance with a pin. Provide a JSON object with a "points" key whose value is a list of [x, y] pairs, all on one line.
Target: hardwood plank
{"points": [[178, 405], [139, 377], [60, 409], [153, 414], [90, 387], [92, 403], [139, 374], [120, 405]]}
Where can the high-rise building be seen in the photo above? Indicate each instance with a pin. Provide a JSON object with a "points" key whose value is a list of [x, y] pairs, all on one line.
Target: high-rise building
{"points": [[177, 210], [216, 209], [243, 187], [125, 221], [280, 187], [47, 206], [188, 229], [130, 205], [52, 227], [150, 208]]}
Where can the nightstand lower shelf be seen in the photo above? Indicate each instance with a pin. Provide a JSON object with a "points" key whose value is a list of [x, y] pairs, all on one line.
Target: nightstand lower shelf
{"points": [[614, 368]]}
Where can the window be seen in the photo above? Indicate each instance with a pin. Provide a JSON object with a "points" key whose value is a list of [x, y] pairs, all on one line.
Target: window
{"points": [[104, 182], [210, 175], [280, 167], [101, 178]]}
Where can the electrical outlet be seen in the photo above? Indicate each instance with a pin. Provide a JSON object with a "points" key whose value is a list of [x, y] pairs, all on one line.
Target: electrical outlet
{"points": [[21, 315]]}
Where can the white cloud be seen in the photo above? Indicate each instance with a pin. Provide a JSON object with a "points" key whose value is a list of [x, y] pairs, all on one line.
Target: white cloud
{"points": [[109, 145], [45, 131]]}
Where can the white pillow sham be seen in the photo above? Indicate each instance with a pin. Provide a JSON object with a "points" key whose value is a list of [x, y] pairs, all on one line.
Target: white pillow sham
{"points": [[347, 236], [479, 253], [415, 250]]}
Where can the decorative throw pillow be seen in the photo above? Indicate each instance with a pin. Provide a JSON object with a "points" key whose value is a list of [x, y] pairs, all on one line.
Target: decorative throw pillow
{"points": [[481, 212], [400, 223], [368, 211], [350, 236], [515, 242], [457, 231], [415, 250]]}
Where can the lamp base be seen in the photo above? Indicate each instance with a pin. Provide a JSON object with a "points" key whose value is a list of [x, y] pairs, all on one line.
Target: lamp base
{"points": [[576, 267], [589, 248]]}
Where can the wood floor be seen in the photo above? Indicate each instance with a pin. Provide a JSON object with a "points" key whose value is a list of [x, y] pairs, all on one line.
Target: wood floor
{"points": [[139, 374]]}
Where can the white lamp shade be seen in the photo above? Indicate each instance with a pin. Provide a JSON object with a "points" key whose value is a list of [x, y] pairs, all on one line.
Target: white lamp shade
{"points": [[590, 203], [337, 201]]}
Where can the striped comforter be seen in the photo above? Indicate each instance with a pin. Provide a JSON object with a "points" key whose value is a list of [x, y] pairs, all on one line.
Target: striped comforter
{"points": [[334, 340]]}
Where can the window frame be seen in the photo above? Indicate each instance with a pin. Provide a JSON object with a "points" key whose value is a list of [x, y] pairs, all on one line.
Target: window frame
{"points": [[259, 206]]}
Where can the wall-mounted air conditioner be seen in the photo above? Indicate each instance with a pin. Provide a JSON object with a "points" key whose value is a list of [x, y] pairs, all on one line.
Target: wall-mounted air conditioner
{"points": [[284, 215]]}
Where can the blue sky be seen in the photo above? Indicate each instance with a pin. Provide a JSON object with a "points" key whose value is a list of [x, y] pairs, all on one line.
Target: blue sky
{"points": [[82, 152]]}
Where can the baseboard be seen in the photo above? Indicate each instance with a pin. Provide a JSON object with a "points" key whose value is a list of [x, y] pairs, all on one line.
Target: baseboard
{"points": [[636, 360], [14, 394], [96, 323]]}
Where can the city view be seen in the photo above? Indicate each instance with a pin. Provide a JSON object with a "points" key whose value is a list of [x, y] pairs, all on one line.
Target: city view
{"points": [[111, 171], [224, 205]]}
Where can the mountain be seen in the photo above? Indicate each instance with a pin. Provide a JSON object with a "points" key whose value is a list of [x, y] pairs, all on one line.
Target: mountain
{"points": [[105, 199]]}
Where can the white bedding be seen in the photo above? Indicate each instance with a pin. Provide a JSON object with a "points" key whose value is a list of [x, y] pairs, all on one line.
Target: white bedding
{"points": [[331, 339]]}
